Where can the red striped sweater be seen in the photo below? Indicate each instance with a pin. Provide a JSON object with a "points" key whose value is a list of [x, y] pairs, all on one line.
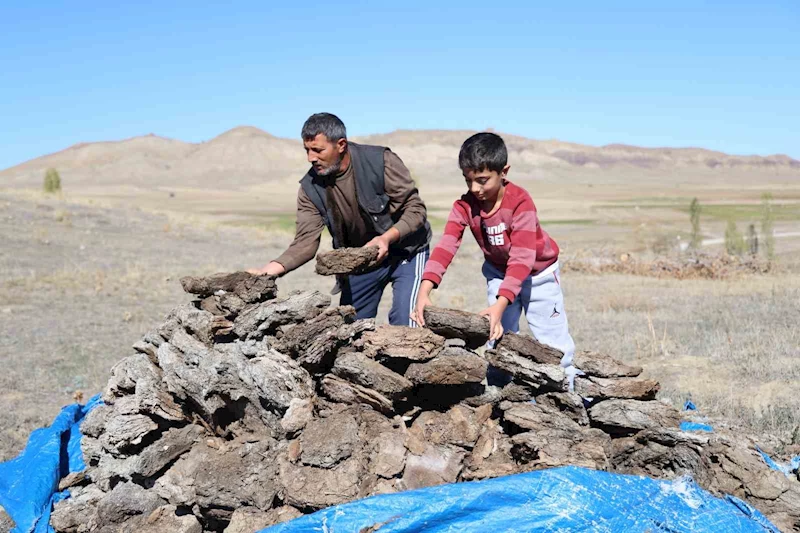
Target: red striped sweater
{"points": [[511, 239]]}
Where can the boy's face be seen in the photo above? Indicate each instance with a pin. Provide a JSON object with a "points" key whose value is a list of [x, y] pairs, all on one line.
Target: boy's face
{"points": [[485, 184]]}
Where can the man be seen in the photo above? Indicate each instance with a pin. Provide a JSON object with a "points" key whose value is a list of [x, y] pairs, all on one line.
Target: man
{"points": [[365, 196]]}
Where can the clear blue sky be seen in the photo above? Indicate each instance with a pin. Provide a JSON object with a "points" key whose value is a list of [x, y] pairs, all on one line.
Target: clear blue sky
{"points": [[718, 74]]}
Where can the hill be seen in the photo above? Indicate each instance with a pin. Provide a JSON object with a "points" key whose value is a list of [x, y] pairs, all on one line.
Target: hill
{"points": [[246, 156]]}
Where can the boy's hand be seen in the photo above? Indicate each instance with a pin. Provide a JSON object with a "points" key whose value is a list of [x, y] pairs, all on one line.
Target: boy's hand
{"points": [[423, 300], [495, 315]]}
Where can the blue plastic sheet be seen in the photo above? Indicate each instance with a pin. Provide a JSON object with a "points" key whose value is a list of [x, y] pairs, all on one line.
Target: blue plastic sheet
{"points": [[695, 426], [561, 499], [788, 469], [558, 500], [29, 483]]}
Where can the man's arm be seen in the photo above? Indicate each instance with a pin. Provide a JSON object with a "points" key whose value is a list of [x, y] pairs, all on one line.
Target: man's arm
{"points": [[403, 198], [403, 195], [309, 226]]}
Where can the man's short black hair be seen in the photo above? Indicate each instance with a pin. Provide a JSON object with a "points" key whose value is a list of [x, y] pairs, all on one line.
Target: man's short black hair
{"points": [[327, 124], [483, 151]]}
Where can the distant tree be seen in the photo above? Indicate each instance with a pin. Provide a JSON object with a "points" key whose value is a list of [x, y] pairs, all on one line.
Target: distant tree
{"points": [[734, 241], [52, 181], [752, 239], [694, 214], [768, 225]]}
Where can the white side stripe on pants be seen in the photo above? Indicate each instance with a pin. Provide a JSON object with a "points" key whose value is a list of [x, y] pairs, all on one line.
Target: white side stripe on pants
{"points": [[419, 269]]}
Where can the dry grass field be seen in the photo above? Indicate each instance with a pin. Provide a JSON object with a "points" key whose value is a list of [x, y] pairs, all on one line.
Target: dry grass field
{"points": [[84, 274]]}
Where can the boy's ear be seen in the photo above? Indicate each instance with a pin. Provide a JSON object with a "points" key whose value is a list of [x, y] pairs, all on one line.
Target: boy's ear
{"points": [[505, 170]]}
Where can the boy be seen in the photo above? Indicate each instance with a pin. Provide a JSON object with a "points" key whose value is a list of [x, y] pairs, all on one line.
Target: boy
{"points": [[521, 267]]}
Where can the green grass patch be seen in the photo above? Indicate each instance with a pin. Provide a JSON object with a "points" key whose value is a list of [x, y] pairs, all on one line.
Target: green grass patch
{"points": [[659, 200], [282, 222], [641, 206], [569, 222], [437, 223], [742, 212], [747, 212]]}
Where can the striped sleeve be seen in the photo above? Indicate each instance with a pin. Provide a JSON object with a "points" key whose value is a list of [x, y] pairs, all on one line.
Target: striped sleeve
{"points": [[445, 251], [522, 256]]}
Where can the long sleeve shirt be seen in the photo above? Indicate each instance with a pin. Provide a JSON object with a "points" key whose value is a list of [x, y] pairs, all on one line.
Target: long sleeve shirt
{"points": [[511, 239], [405, 206]]}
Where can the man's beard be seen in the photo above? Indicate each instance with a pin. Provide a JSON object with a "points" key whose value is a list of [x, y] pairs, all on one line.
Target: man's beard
{"points": [[332, 169]]}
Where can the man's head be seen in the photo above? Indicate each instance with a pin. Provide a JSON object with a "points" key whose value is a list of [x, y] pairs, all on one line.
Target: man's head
{"points": [[325, 141], [484, 162]]}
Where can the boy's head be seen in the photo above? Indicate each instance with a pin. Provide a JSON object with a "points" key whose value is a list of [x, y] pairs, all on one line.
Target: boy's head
{"points": [[325, 141], [484, 162]]}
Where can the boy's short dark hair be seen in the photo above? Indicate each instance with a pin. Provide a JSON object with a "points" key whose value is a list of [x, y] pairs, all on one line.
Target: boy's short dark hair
{"points": [[327, 124], [483, 151]]}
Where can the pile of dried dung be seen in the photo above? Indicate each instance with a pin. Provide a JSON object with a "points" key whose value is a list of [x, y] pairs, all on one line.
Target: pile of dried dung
{"points": [[245, 409]]}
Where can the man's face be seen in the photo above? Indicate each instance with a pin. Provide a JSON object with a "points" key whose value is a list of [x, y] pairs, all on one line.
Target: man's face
{"points": [[325, 156], [485, 184]]}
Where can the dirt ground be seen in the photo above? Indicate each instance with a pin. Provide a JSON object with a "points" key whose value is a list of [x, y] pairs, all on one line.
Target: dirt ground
{"points": [[80, 283]]}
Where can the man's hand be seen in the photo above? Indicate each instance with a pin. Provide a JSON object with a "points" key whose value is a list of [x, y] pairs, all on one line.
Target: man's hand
{"points": [[495, 315], [423, 300], [382, 242], [271, 269]]}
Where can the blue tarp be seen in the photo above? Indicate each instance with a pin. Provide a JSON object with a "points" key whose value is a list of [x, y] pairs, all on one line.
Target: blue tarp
{"points": [[695, 426], [29, 483], [566, 499], [787, 469], [560, 499]]}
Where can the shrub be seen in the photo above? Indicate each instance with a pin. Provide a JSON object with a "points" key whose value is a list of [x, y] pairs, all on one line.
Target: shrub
{"points": [[752, 239], [694, 214], [52, 181], [768, 225], [734, 241]]}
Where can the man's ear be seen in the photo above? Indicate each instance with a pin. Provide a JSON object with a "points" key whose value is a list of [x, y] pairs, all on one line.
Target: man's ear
{"points": [[341, 146]]}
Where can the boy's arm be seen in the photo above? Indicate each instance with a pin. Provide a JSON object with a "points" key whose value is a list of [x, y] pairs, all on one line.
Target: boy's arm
{"points": [[308, 229], [495, 315], [440, 259], [445, 251], [522, 256]]}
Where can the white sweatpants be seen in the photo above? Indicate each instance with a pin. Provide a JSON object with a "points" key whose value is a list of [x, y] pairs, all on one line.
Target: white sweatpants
{"points": [[543, 302]]}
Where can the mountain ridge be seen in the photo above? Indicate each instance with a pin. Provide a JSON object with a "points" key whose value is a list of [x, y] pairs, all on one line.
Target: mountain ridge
{"points": [[246, 155]]}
